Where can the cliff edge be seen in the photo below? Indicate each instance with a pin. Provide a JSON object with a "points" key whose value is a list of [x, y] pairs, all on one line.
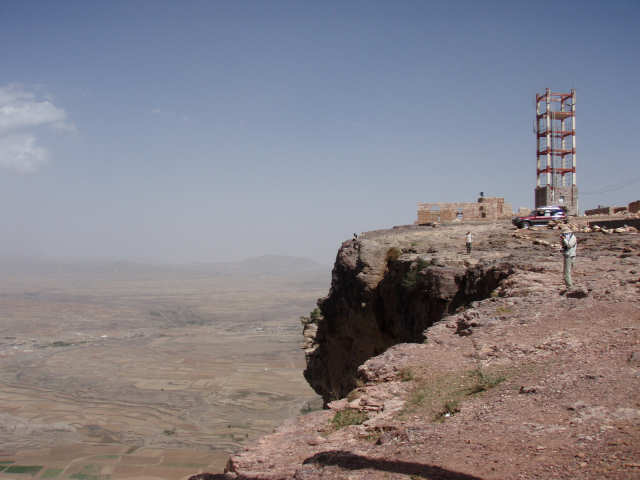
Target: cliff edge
{"points": [[387, 288], [442, 365]]}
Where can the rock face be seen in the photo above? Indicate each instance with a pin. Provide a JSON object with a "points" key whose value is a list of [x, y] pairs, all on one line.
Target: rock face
{"points": [[528, 380], [381, 296]]}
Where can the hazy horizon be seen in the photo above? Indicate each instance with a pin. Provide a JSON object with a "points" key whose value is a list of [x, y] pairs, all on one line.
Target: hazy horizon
{"points": [[181, 132], [257, 262]]}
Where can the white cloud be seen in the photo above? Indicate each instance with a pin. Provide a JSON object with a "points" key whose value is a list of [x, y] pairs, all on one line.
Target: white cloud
{"points": [[20, 113], [20, 153]]}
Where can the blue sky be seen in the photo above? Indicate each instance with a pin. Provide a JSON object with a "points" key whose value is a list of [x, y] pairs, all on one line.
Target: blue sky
{"points": [[204, 131]]}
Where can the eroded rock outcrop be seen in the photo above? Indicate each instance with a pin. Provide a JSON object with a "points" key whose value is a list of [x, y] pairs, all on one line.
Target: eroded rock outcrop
{"points": [[382, 295], [531, 382]]}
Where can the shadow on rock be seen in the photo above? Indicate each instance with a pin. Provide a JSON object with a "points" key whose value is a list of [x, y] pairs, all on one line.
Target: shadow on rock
{"points": [[350, 461], [209, 476]]}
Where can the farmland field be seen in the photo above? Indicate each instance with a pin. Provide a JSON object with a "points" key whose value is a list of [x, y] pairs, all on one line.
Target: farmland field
{"points": [[123, 371]]}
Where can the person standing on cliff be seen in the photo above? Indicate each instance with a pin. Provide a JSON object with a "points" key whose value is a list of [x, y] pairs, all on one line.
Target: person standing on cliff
{"points": [[569, 245], [469, 239]]}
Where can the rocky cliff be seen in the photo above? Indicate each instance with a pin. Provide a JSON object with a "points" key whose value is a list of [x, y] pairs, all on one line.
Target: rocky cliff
{"points": [[461, 367], [385, 293]]}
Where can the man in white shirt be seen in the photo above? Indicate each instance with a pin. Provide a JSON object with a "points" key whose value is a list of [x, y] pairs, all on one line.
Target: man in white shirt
{"points": [[569, 245]]}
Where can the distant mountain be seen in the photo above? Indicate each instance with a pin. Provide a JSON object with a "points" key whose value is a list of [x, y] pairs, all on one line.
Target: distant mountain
{"points": [[278, 265], [46, 265], [275, 265]]}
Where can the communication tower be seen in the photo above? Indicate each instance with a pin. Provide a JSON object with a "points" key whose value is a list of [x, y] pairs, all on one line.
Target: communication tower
{"points": [[556, 150]]}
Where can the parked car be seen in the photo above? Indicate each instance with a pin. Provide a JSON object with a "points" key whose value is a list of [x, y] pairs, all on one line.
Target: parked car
{"points": [[541, 216]]}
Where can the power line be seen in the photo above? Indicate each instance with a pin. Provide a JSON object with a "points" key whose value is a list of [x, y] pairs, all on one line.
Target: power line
{"points": [[611, 188]]}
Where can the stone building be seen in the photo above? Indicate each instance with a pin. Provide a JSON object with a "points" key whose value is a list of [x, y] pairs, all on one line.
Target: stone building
{"points": [[486, 208], [633, 207]]}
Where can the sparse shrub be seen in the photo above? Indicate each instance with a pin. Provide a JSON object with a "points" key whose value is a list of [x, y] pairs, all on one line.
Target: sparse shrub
{"points": [[393, 254], [435, 397], [504, 310], [406, 374], [410, 279], [422, 264], [374, 436], [484, 382], [346, 417], [315, 315], [449, 408], [353, 394], [417, 397]]}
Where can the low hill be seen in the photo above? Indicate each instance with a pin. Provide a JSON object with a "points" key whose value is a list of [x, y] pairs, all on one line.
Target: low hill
{"points": [[277, 265]]}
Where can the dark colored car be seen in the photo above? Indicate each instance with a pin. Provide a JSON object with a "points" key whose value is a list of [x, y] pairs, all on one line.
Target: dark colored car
{"points": [[541, 216]]}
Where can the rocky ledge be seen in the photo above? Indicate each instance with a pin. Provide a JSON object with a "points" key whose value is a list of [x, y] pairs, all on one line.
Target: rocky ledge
{"points": [[442, 365]]}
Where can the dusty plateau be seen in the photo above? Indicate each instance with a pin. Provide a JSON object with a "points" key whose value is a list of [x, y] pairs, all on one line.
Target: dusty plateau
{"points": [[116, 371], [436, 364]]}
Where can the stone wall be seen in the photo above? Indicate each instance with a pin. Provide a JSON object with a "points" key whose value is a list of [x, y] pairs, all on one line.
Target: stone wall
{"points": [[633, 207], [486, 208], [623, 222], [566, 196], [599, 211], [523, 211]]}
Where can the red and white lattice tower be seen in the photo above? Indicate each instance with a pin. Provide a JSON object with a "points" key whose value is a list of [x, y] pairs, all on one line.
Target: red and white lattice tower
{"points": [[556, 150]]}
